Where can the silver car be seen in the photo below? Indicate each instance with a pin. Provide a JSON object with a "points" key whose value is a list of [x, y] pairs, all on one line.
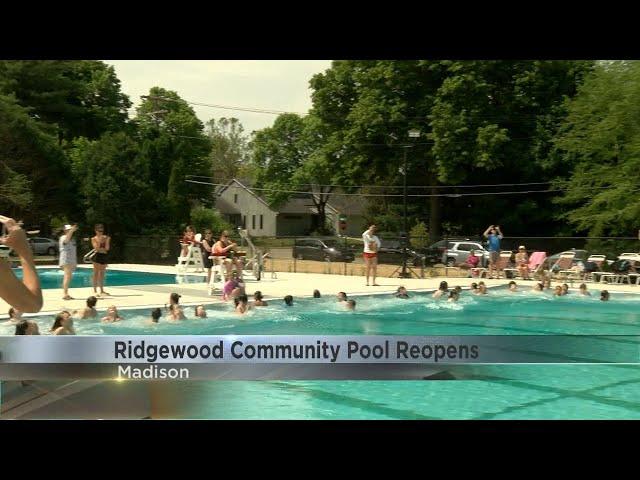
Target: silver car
{"points": [[43, 246], [456, 252]]}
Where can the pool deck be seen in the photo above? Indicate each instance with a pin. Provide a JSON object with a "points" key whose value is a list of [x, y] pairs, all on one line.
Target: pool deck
{"points": [[286, 283]]}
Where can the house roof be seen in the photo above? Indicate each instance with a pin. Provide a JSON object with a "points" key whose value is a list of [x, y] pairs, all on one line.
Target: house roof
{"points": [[347, 204], [341, 204]]}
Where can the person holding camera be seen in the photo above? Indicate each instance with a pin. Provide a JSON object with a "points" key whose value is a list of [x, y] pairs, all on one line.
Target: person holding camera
{"points": [[493, 236], [68, 257]]}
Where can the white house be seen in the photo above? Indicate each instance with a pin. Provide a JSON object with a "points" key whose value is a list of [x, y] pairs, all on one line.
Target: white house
{"points": [[243, 207]]}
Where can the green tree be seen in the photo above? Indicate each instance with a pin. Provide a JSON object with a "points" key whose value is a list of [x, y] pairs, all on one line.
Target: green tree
{"points": [[173, 143], [599, 142], [113, 184], [203, 218], [34, 171], [230, 156], [79, 98]]}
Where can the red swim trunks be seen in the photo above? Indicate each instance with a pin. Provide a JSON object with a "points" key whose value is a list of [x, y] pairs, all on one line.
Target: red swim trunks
{"points": [[369, 255]]}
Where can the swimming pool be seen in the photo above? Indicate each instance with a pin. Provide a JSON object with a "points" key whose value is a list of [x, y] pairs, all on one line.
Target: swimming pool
{"points": [[52, 278], [504, 392]]}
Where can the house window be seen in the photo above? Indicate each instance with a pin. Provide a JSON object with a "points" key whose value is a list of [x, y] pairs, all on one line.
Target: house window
{"points": [[235, 198], [260, 222], [244, 221], [253, 222]]}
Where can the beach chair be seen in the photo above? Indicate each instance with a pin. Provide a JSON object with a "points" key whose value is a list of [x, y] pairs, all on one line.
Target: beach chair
{"points": [[562, 268], [501, 264], [536, 261], [599, 261]]}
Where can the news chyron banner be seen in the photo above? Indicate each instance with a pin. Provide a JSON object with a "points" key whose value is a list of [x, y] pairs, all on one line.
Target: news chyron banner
{"points": [[256, 357]]}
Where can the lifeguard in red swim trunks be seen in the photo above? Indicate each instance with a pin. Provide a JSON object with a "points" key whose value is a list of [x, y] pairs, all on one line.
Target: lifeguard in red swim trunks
{"points": [[370, 254]]}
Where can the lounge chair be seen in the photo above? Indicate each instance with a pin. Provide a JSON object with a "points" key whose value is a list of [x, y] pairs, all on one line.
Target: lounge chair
{"points": [[501, 264], [599, 261], [562, 269]]}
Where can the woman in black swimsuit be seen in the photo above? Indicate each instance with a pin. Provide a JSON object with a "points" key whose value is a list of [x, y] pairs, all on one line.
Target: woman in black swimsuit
{"points": [[102, 244]]}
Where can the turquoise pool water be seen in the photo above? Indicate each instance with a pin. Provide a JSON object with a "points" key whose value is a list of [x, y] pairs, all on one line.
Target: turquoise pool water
{"points": [[504, 392], [52, 278]]}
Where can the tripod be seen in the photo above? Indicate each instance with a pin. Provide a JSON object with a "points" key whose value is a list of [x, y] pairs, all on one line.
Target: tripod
{"points": [[407, 271]]}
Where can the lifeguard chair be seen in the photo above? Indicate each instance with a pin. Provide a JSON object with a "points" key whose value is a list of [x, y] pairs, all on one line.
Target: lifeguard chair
{"points": [[192, 261]]}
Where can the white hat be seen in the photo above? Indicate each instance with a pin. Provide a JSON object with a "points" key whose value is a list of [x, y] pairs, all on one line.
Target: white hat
{"points": [[67, 227], [521, 247]]}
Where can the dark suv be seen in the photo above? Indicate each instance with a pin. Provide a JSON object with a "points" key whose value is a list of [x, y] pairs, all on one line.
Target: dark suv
{"points": [[391, 252], [322, 249]]}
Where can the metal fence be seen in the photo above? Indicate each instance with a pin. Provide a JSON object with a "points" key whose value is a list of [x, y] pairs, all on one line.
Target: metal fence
{"points": [[343, 255]]}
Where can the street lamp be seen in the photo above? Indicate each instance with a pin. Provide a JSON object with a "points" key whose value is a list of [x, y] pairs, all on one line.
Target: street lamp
{"points": [[413, 133]]}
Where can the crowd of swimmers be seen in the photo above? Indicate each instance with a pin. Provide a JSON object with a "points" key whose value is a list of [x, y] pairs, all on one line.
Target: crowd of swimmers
{"points": [[63, 323]]}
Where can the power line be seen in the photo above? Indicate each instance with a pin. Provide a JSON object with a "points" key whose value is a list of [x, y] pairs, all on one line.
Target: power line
{"points": [[450, 195], [224, 107], [412, 186]]}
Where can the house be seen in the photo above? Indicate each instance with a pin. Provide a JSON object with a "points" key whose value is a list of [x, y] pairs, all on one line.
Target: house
{"points": [[244, 207]]}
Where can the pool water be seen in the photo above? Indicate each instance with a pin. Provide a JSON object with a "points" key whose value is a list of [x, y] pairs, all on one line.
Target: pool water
{"points": [[504, 392], [52, 278]]}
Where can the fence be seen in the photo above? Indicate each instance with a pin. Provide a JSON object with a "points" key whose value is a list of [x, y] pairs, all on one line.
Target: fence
{"points": [[343, 255]]}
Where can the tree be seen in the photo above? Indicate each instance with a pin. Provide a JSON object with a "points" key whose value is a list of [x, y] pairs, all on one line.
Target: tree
{"points": [[175, 146], [599, 142], [34, 172], [77, 97], [203, 218], [113, 184], [298, 154], [481, 122], [230, 157]]}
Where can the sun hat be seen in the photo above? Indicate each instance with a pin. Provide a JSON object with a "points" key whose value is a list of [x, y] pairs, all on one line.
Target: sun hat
{"points": [[67, 227]]}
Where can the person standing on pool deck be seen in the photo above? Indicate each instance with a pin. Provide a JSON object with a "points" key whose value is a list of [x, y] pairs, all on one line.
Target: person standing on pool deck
{"points": [[101, 243], [370, 254], [68, 257], [493, 235], [207, 251]]}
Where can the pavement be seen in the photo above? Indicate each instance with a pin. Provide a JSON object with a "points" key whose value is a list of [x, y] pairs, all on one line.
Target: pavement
{"points": [[284, 283]]}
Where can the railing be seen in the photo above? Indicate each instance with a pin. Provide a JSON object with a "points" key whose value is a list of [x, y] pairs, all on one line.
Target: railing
{"points": [[295, 254]]}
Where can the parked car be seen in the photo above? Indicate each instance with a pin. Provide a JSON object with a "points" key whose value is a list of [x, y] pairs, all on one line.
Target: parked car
{"points": [[392, 253], [455, 252], [322, 249], [43, 246]]}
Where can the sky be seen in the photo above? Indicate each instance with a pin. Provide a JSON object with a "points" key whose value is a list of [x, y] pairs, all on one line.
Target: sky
{"points": [[264, 84]]}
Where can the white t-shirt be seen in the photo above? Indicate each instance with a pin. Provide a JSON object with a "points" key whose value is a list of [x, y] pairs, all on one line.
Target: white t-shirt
{"points": [[368, 239]]}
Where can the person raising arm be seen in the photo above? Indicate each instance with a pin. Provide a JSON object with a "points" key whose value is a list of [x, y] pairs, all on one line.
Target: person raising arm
{"points": [[25, 295]]}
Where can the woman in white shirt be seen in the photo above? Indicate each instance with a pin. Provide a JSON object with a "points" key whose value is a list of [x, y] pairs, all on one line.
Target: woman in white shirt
{"points": [[370, 254]]}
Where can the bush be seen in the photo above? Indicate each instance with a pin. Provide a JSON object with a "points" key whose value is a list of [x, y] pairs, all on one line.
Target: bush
{"points": [[203, 218], [419, 235]]}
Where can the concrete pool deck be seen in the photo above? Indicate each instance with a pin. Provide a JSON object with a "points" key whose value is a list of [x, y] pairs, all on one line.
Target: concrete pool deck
{"points": [[286, 283]]}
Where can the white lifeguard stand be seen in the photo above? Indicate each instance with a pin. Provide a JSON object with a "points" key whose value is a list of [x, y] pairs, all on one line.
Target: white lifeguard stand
{"points": [[217, 274], [192, 261]]}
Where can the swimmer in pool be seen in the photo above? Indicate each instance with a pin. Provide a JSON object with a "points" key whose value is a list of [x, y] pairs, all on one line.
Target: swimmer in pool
{"points": [[583, 290], [512, 286], [112, 315], [401, 293], [243, 305], [442, 289], [453, 296], [200, 312], [342, 297], [258, 301], [351, 304], [604, 296]]}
